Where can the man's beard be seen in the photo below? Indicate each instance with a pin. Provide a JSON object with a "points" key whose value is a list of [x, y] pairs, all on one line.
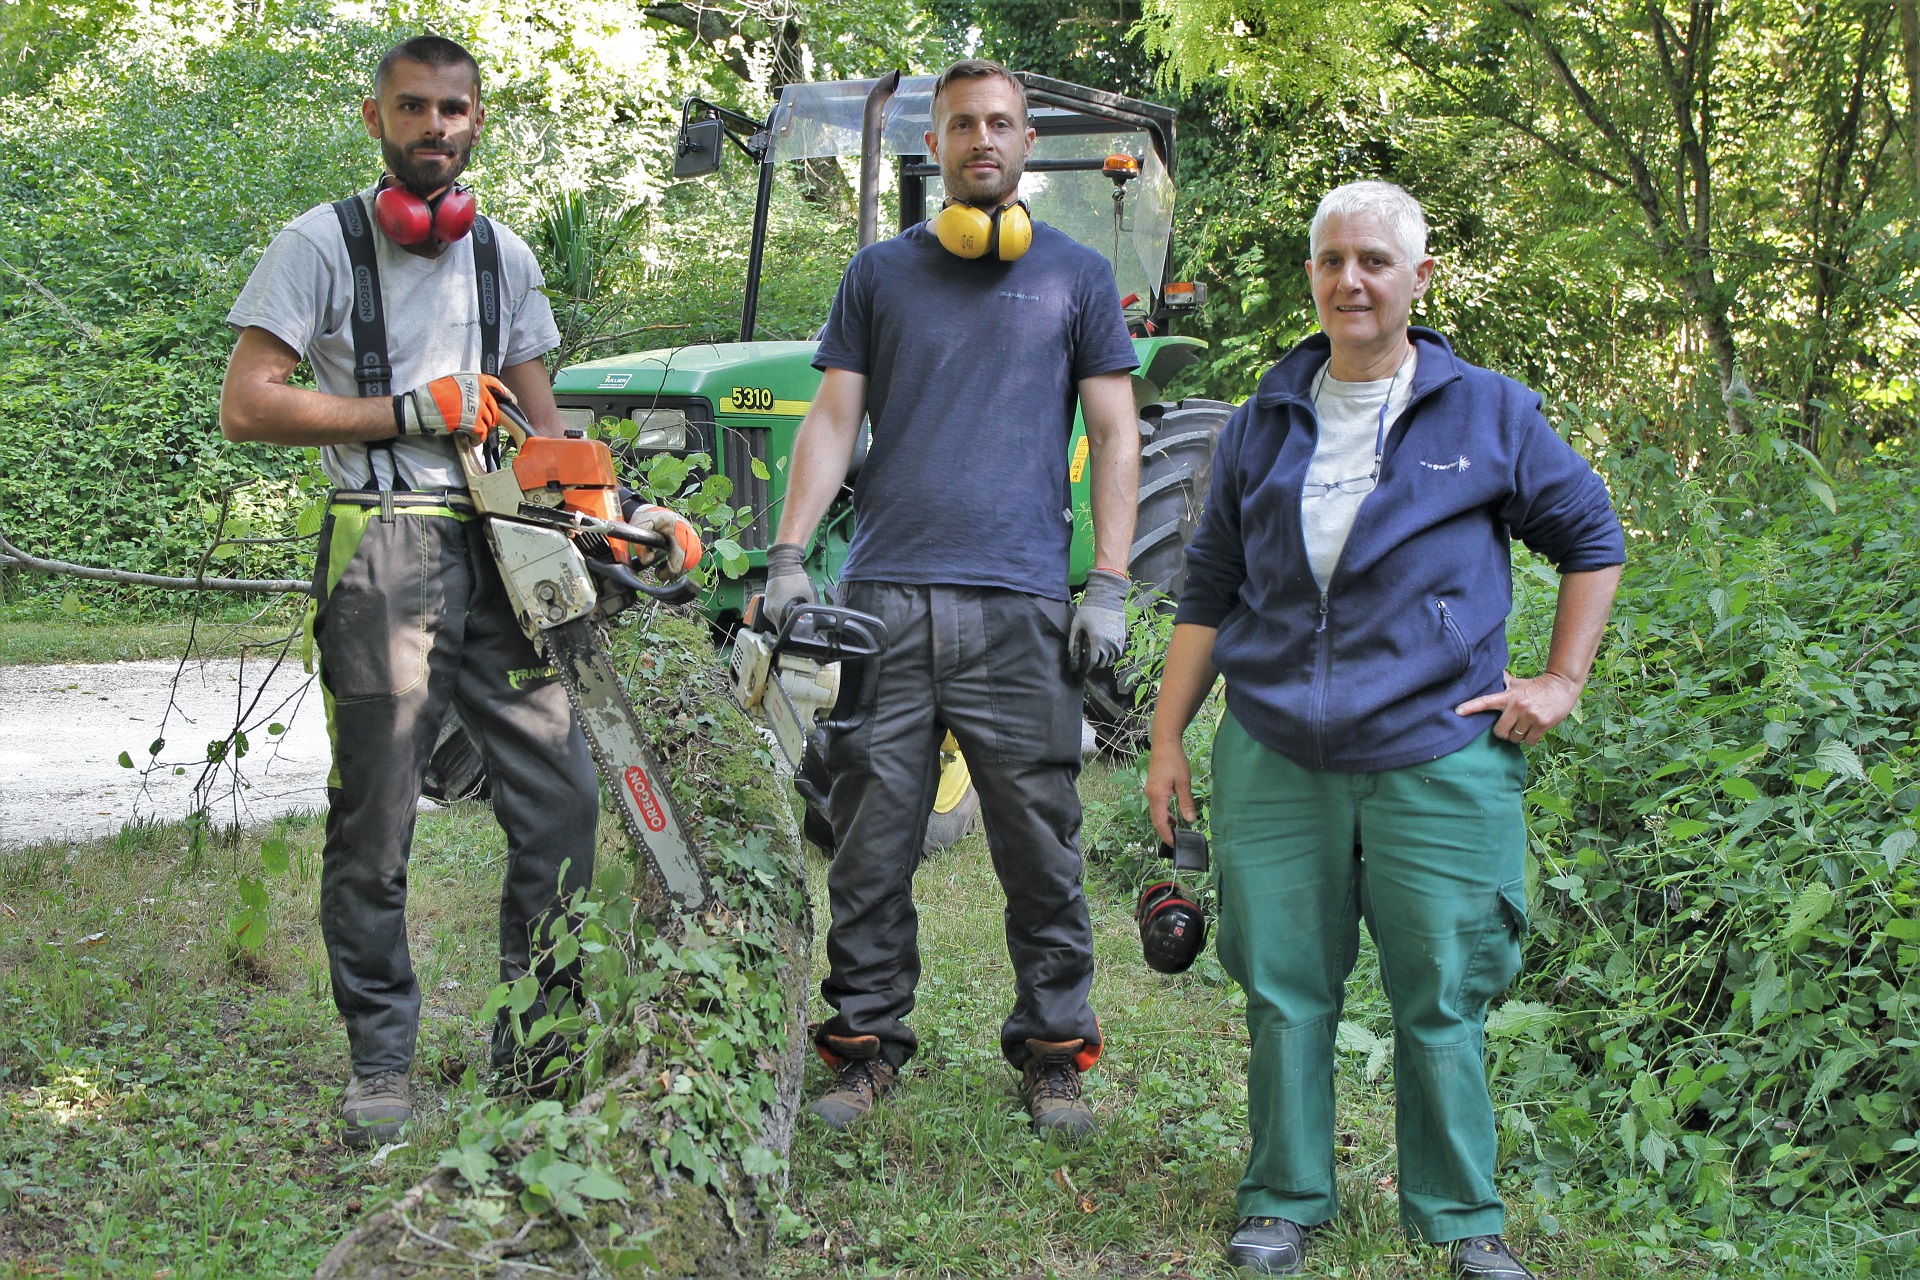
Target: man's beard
{"points": [[428, 178], [1005, 187]]}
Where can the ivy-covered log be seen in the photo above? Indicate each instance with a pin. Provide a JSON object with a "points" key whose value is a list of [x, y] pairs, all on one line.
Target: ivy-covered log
{"points": [[685, 1063]]}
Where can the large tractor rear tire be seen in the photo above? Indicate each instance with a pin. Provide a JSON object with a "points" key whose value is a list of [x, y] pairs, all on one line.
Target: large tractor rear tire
{"points": [[1176, 466]]}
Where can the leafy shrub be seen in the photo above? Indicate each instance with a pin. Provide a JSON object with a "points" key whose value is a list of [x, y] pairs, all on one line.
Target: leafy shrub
{"points": [[1725, 910]]}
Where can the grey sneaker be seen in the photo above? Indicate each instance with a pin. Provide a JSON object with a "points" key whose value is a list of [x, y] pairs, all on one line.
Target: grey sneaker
{"points": [[1051, 1081], [1487, 1258], [862, 1077], [1268, 1247], [376, 1107]]}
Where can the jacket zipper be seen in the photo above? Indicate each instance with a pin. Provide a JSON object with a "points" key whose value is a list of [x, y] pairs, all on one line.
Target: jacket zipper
{"points": [[1453, 630], [1322, 678]]}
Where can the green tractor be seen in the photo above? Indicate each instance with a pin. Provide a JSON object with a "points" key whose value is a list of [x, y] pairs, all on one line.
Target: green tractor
{"points": [[1102, 170]]}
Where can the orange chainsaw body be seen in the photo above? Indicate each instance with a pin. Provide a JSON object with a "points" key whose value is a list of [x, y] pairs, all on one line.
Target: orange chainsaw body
{"points": [[579, 470]]}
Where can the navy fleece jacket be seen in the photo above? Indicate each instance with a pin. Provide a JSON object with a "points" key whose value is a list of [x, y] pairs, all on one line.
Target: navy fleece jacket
{"points": [[1413, 621]]}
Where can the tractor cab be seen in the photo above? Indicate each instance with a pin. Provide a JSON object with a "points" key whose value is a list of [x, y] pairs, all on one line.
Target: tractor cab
{"points": [[1101, 169]]}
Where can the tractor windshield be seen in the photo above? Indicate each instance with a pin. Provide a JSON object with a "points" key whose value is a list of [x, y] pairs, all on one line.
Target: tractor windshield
{"points": [[1131, 232]]}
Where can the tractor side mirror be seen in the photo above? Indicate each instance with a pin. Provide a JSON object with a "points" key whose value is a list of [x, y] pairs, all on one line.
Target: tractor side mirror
{"points": [[698, 152]]}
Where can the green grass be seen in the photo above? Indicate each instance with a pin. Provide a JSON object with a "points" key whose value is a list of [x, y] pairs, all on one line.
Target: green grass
{"points": [[37, 633], [167, 1103], [947, 1180]]}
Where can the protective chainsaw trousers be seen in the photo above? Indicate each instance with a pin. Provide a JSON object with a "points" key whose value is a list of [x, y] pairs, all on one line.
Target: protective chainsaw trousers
{"points": [[1432, 857], [991, 666], [412, 620]]}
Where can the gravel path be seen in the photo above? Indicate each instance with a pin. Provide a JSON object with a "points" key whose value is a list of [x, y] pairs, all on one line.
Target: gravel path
{"points": [[63, 727]]}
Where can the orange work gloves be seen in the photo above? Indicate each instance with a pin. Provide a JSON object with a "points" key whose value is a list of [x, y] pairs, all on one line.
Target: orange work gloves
{"points": [[458, 404], [683, 547]]}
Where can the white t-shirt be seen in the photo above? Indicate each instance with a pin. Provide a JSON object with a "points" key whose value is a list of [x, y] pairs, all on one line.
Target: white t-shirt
{"points": [[1349, 414], [301, 292]]}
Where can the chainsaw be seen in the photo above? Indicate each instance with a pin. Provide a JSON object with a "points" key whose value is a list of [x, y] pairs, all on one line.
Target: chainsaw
{"points": [[553, 522], [792, 677]]}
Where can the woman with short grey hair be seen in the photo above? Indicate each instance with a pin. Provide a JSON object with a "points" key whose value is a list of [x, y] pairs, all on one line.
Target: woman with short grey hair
{"points": [[1351, 581]]}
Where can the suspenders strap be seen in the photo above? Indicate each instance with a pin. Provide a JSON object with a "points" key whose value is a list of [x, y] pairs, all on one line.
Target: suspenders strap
{"points": [[486, 275], [371, 368]]}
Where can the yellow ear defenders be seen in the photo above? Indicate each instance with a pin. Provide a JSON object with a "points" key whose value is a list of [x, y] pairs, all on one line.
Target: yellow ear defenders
{"points": [[969, 232]]}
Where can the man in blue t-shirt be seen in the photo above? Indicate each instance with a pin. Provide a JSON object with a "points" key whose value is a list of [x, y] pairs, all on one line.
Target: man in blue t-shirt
{"points": [[966, 341]]}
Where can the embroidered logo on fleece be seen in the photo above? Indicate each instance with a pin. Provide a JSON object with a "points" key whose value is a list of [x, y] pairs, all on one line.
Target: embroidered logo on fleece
{"points": [[1460, 463]]}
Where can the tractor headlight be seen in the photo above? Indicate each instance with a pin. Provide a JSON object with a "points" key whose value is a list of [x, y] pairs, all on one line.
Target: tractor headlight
{"points": [[661, 429]]}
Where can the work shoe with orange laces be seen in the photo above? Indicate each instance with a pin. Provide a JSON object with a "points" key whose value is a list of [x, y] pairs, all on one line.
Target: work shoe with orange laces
{"points": [[1051, 1082], [861, 1078]]}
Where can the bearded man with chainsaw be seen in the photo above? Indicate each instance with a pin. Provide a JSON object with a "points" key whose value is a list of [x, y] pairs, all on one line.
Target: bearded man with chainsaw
{"points": [[965, 341], [405, 286]]}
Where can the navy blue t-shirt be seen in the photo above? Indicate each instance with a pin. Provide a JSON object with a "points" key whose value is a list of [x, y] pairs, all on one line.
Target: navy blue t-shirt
{"points": [[972, 369]]}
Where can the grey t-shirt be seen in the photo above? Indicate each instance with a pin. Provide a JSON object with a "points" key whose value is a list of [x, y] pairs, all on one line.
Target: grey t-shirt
{"points": [[972, 376], [301, 292], [1350, 418]]}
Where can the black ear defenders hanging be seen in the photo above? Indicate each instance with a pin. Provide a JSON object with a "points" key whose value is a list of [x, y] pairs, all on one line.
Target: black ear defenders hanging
{"points": [[970, 232], [409, 220], [1173, 927]]}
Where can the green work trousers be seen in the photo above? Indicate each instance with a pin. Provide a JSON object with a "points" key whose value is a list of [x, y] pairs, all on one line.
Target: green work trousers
{"points": [[1433, 857]]}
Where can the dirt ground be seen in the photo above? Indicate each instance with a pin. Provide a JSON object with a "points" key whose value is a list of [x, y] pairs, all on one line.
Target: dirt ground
{"points": [[64, 727]]}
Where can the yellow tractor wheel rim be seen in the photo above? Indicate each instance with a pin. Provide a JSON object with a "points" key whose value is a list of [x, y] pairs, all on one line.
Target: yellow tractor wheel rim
{"points": [[955, 781]]}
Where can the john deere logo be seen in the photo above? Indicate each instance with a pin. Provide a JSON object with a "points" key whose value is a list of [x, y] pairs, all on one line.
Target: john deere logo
{"points": [[644, 800]]}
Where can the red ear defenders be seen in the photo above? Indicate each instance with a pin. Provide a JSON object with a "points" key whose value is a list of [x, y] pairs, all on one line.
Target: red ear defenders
{"points": [[969, 232], [1173, 927], [407, 219]]}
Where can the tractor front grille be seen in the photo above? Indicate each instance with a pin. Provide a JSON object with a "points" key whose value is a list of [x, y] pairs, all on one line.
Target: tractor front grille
{"points": [[740, 448]]}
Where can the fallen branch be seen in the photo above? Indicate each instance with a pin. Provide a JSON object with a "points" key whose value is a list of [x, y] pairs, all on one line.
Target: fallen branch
{"points": [[11, 555], [66, 313]]}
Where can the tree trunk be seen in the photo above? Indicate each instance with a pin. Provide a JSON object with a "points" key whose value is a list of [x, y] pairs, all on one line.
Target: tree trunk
{"points": [[668, 1222], [1910, 44]]}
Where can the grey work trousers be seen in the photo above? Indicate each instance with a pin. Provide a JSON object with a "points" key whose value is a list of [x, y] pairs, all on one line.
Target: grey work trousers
{"points": [[990, 666], [413, 619]]}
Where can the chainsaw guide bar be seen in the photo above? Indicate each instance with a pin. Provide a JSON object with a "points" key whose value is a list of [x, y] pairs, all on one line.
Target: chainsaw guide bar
{"points": [[577, 650]]}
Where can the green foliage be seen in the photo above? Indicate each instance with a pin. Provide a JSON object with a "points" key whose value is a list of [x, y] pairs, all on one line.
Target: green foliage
{"points": [[1621, 195], [1724, 930]]}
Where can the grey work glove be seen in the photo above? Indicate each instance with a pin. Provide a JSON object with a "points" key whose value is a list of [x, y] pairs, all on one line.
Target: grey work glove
{"points": [[787, 583], [1099, 633]]}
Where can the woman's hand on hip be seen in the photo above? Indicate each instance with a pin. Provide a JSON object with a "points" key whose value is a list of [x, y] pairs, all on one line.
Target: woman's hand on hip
{"points": [[1528, 708], [1168, 775]]}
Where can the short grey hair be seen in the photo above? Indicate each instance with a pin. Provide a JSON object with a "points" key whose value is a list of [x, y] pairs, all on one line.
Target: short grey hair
{"points": [[1383, 200]]}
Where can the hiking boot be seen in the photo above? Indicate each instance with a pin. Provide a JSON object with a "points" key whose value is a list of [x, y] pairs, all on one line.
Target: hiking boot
{"points": [[1051, 1081], [1486, 1258], [1268, 1247], [861, 1078], [375, 1108]]}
